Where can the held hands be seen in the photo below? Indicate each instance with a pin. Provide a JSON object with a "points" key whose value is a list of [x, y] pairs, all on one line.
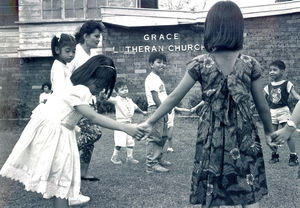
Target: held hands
{"points": [[144, 113], [281, 135], [146, 128], [270, 142], [135, 131]]}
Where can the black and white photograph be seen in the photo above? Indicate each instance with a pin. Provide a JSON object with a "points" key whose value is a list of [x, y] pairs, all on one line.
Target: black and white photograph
{"points": [[150, 103]]}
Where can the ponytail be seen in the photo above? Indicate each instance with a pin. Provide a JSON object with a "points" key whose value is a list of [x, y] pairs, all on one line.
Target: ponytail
{"points": [[54, 45]]}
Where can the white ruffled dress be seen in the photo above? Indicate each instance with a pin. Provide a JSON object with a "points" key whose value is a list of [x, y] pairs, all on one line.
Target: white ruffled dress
{"points": [[45, 158]]}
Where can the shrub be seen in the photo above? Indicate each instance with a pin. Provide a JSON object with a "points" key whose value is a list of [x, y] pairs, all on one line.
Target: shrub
{"points": [[141, 101], [14, 109], [105, 107]]}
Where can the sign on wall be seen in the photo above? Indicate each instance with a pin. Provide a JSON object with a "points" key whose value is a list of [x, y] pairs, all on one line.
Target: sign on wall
{"points": [[160, 42]]}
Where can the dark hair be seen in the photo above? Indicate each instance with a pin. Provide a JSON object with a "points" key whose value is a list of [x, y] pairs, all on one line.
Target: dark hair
{"points": [[63, 40], [157, 55], [88, 28], [46, 84], [99, 69], [224, 27], [278, 63], [120, 84]]}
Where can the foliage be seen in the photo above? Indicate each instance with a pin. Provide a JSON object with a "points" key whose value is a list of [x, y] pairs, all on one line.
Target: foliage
{"points": [[187, 5], [141, 101], [104, 106], [14, 110]]}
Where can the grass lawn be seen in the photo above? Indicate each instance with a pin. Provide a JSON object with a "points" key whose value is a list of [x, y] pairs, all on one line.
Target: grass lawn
{"points": [[130, 186]]}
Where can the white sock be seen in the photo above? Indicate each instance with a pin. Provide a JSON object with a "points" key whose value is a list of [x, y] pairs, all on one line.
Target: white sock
{"points": [[116, 152], [129, 152]]}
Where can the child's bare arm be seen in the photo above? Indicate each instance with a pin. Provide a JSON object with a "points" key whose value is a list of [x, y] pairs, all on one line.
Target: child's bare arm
{"points": [[295, 94], [112, 100], [156, 98], [261, 105], [141, 111], [107, 122], [182, 109], [193, 109]]}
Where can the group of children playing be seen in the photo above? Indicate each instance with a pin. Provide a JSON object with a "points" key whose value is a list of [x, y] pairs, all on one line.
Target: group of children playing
{"points": [[46, 157]]}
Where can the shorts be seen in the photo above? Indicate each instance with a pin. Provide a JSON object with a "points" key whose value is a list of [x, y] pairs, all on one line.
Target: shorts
{"points": [[123, 140], [280, 115]]}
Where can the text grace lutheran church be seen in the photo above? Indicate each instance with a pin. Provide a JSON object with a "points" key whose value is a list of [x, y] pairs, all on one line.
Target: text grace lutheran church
{"points": [[134, 29]]}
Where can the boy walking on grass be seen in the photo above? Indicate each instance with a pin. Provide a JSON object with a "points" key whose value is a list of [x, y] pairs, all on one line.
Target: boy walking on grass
{"points": [[277, 94], [156, 94]]}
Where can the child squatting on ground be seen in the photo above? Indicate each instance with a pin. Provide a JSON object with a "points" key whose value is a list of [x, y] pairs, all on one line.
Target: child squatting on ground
{"points": [[125, 109], [227, 134], [46, 158], [277, 94]]}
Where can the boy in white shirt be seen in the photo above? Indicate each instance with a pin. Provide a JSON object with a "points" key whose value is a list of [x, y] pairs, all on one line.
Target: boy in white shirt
{"points": [[156, 94], [125, 109]]}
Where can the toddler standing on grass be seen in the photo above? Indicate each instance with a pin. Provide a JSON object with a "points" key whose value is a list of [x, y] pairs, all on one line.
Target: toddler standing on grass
{"points": [[277, 94], [125, 109]]}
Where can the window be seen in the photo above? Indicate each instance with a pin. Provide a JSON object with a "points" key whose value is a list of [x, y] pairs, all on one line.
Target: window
{"points": [[148, 4], [62, 9], [52, 9], [86, 9], [8, 12]]}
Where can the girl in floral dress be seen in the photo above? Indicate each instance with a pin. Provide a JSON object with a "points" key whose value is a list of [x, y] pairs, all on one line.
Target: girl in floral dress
{"points": [[46, 158], [229, 168]]}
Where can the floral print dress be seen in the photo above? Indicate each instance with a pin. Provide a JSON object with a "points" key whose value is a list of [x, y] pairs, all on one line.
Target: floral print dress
{"points": [[229, 167]]}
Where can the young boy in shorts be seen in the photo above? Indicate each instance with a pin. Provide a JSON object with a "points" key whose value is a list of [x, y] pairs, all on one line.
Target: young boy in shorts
{"points": [[277, 94], [125, 109]]}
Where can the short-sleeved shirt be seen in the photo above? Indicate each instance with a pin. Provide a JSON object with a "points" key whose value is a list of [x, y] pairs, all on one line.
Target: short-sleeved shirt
{"points": [[125, 108], [44, 97], [60, 77], [277, 93], [154, 83], [80, 58]]}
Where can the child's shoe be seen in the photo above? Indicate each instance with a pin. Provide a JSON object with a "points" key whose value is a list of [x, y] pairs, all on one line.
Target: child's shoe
{"points": [[274, 158], [293, 161], [165, 163], [115, 160], [131, 160], [81, 199], [170, 149], [157, 168]]}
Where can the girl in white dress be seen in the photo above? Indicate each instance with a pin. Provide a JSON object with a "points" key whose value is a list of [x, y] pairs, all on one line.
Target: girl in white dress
{"points": [[63, 50], [45, 158]]}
